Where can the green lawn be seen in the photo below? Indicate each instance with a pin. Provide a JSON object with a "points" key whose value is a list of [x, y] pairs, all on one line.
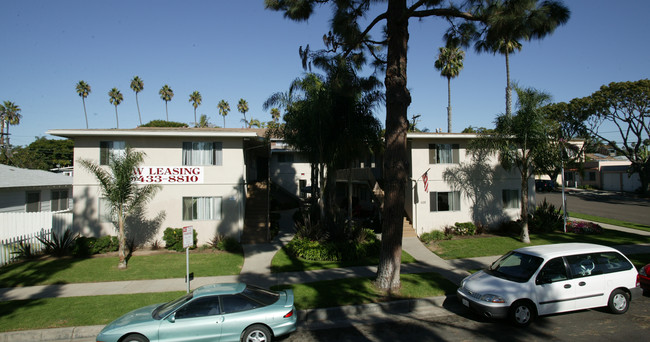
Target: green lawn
{"points": [[498, 245], [73, 311], [610, 221], [283, 262], [98, 269]]}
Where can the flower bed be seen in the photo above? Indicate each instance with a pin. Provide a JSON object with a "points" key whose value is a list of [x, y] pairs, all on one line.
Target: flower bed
{"points": [[582, 227]]}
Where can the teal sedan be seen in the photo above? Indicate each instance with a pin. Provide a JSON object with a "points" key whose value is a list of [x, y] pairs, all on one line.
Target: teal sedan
{"points": [[217, 312]]}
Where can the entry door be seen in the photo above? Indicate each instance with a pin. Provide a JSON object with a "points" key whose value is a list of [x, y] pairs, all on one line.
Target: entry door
{"points": [[589, 279], [554, 291]]}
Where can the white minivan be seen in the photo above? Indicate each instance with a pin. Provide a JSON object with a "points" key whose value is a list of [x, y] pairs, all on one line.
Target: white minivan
{"points": [[547, 279]]}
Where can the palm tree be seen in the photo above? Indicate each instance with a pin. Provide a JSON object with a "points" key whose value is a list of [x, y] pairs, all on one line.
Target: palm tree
{"points": [[195, 98], [9, 114], [166, 94], [242, 107], [275, 114], [224, 108], [115, 98], [83, 89], [119, 188], [449, 63], [137, 85], [511, 21]]}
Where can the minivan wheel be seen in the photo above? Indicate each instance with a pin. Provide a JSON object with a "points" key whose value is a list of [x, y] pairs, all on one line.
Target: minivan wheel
{"points": [[619, 301], [521, 313]]}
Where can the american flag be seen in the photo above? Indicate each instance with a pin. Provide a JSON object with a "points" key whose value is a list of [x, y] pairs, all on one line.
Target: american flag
{"points": [[425, 180]]}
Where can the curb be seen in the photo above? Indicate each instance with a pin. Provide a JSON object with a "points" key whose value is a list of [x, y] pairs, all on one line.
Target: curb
{"points": [[311, 319]]}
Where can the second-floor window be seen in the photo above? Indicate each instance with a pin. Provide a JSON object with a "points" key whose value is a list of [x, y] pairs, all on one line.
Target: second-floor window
{"points": [[202, 153], [444, 153], [110, 148]]}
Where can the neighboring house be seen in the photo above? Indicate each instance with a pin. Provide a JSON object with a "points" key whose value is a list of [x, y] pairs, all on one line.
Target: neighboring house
{"points": [[289, 169], [203, 173], [457, 188], [25, 190]]}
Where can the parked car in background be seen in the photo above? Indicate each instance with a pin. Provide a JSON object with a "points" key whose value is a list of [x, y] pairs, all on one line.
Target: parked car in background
{"points": [[548, 279], [542, 185], [644, 279], [217, 312]]}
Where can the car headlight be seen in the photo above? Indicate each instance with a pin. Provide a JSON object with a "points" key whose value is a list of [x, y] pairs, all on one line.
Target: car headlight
{"points": [[492, 298]]}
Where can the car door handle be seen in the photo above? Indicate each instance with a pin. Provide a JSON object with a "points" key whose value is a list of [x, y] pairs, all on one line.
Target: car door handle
{"points": [[582, 283], [567, 286]]}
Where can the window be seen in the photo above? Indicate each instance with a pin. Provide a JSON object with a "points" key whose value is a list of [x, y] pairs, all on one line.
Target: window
{"points": [[200, 307], [59, 200], [553, 271], [444, 201], [201, 208], [202, 153], [237, 303], [33, 201], [285, 158], [582, 265], [104, 210], [108, 149], [609, 262], [510, 198], [444, 153]]}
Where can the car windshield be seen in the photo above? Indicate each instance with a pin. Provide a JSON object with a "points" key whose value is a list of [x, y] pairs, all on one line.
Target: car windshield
{"points": [[164, 310], [260, 295], [515, 266]]}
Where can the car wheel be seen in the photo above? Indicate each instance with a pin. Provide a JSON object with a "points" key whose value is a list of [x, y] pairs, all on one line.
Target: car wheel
{"points": [[134, 338], [619, 301], [256, 333], [521, 313]]}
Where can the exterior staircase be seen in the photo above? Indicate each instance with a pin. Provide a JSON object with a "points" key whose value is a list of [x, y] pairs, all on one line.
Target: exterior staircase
{"points": [[407, 229], [255, 220]]}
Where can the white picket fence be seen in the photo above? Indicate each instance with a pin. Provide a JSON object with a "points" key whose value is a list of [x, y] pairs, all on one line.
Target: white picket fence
{"points": [[16, 228]]}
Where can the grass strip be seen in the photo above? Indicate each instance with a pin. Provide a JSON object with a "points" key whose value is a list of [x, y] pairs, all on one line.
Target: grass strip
{"points": [[66, 270], [499, 245], [74, 311], [614, 222], [283, 262]]}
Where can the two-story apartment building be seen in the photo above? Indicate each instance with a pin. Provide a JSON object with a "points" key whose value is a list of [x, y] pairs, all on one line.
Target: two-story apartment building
{"points": [[205, 175]]}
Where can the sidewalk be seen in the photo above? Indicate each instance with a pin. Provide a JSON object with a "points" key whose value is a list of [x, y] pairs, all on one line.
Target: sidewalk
{"points": [[256, 270]]}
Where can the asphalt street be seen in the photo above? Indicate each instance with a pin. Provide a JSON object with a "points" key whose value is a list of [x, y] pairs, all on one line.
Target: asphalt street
{"points": [[604, 204]]}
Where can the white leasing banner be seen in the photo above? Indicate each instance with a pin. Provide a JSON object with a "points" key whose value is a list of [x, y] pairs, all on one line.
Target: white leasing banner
{"points": [[169, 174]]}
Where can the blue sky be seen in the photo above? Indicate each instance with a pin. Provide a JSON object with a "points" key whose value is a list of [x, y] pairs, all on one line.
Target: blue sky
{"points": [[236, 49]]}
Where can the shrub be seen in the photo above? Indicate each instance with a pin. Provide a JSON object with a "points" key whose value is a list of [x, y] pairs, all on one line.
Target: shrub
{"points": [[510, 227], [105, 244], [173, 238], [228, 244], [545, 219], [23, 251], [59, 245], [464, 228], [582, 227], [436, 235], [163, 123], [332, 250]]}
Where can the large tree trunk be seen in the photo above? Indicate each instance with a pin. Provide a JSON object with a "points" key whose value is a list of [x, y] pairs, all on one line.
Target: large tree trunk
{"points": [[525, 236], [508, 89], [398, 99], [448, 104], [122, 243]]}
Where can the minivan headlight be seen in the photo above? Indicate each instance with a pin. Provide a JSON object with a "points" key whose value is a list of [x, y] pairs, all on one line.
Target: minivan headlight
{"points": [[492, 298]]}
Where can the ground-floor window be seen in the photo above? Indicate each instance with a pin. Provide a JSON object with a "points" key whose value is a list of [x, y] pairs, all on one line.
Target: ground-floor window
{"points": [[201, 208], [59, 200], [33, 201], [510, 198], [444, 201]]}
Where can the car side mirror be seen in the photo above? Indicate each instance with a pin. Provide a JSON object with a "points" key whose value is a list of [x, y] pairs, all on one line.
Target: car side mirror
{"points": [[172, 318]]}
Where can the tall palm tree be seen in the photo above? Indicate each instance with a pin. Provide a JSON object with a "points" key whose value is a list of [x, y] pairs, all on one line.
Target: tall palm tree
{"points": [[224, 108], [449, 63], [119, 188], [137, 85], [83, 89], [195, 98], [115, 98], [242, 107], [275, 114], [511, 21], [166, 94], [9, 115]]}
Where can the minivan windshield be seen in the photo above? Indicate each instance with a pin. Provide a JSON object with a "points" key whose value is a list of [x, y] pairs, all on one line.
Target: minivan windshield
{"points": [[515, 266]]}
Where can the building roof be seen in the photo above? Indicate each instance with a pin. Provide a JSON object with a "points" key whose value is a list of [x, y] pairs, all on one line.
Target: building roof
{"points": [[15, 177], [429, 135], [161, 132]]}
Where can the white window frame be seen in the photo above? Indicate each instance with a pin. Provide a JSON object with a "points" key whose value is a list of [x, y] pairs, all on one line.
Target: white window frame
{"points": [[108, 149], [196, 153], [510, 198], [453, 199], [202, 208]]}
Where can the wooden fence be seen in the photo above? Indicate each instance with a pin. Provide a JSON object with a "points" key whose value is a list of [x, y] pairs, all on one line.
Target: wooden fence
{"points": [[24, 228]]}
